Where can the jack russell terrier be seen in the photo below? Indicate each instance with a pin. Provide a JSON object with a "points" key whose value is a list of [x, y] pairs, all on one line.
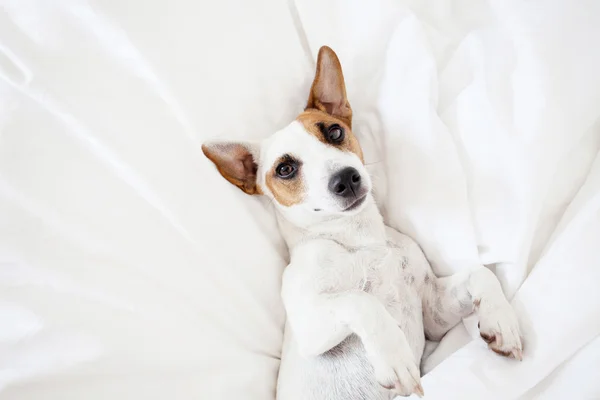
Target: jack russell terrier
{"points": [[360, 297]]}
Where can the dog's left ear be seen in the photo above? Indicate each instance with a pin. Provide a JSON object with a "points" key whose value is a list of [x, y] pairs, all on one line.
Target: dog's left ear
{"points": [[328, 91], [237, 162]]}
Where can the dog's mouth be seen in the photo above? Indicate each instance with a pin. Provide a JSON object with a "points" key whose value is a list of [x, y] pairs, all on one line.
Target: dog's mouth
{"points": [[357, 203]]}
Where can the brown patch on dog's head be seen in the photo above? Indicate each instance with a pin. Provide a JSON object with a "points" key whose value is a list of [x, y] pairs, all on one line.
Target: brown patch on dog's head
{"points": [[328, 107], [319, 123], [328, 118], [286, 191], [235, 162]]}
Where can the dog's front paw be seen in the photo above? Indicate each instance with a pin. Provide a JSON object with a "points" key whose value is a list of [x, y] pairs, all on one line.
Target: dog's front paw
{"points": [[395, 366], [499, 327]]}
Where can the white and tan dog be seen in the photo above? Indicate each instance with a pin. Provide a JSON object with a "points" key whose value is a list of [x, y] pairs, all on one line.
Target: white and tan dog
{"points": [[360, 297]]}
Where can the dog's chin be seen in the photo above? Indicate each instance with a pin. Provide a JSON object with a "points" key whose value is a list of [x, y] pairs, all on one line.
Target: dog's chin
{"points": [[350, 207], [356, 205]]}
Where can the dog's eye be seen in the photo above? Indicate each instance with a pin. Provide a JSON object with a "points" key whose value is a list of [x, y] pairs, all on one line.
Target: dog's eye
{"points": [[285, 170], [335, 133]]}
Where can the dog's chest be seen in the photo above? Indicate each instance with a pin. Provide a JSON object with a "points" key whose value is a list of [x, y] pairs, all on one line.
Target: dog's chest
{"points": [[384, 271]]}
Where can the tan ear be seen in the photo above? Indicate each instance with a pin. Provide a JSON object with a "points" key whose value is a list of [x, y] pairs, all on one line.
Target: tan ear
{"points": [[328, 91], [236, 161]]}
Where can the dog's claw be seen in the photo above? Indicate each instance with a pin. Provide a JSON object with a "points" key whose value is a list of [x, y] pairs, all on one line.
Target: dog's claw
{"points": [[518, 354], [498, 339], [419, 390], [397, 387]]}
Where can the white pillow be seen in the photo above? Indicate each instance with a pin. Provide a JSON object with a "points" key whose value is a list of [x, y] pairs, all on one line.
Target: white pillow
{"points": [[128, 267]]}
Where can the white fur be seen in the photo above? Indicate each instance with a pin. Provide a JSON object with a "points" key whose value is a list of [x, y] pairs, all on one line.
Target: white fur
{"points": [[361, 297], [319, 163]]}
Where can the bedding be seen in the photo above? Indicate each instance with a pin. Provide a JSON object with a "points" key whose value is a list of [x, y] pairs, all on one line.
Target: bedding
{"points": [[130, 269]]}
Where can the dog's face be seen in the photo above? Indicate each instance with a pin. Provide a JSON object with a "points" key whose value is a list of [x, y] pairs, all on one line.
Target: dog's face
{"points": [[311, 168]]}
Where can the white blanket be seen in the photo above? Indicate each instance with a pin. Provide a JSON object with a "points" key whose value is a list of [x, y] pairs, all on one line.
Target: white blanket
{"points": [[130, 269]]}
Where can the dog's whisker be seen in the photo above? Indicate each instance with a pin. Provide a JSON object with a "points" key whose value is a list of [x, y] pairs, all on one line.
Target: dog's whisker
{"points": [[374, 162]]}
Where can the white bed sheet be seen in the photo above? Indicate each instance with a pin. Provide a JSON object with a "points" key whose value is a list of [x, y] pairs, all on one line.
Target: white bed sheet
{"points": [[130, 269]]}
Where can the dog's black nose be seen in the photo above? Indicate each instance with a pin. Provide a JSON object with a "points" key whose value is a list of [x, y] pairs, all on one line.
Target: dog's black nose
{"points": [[345, 183]]}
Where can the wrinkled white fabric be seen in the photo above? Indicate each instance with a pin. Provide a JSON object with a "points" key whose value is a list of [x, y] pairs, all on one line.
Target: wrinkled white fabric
{"points": [[130, 269]]}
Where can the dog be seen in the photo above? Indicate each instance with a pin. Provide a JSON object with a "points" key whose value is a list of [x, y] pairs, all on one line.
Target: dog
{"points": [[360, 297]]}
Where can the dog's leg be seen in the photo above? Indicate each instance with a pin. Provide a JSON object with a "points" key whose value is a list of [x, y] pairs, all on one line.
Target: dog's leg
{"points": [[447, 300], [322, 321]]}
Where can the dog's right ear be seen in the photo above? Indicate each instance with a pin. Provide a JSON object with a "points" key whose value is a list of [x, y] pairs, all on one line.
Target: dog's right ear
{"points": [[237, 162]]}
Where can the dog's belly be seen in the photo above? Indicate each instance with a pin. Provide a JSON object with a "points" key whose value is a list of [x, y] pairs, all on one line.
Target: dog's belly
{"points": [[341, 373]]}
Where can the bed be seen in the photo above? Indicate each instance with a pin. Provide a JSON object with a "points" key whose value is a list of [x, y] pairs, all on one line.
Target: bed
{"points": [[129, 269]]}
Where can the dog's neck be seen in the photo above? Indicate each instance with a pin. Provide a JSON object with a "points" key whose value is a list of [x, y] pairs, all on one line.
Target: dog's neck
{"points": [[362, 229]]}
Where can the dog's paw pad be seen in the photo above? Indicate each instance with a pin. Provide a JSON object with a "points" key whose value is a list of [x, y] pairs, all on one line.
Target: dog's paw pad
{"points": [[402, 379], [404, 389], [487, 338], [500, 330]]}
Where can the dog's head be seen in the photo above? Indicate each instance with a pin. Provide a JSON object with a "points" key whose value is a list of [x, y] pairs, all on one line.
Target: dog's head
{"points": [[312, 168]]}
